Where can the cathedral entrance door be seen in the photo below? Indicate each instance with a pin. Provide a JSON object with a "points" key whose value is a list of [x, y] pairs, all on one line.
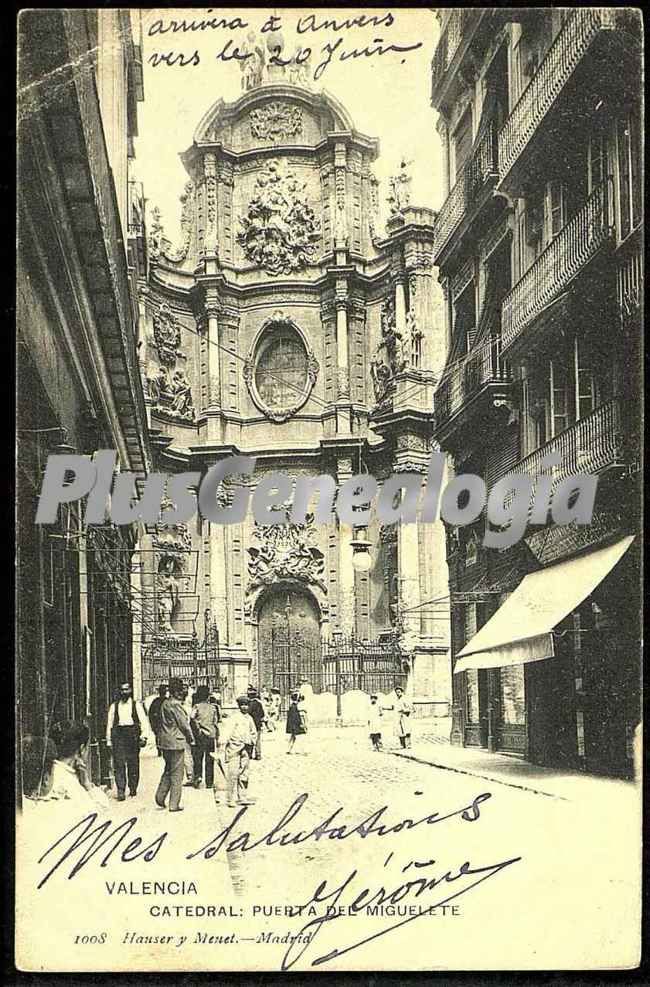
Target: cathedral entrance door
{"points": [[289, 646]]}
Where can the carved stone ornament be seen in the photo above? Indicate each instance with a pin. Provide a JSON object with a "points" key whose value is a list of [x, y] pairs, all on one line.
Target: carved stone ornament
{"points": [[312, 368], [276, 121], [159, 245], [285, 552], [280, 232], [166, 335]]}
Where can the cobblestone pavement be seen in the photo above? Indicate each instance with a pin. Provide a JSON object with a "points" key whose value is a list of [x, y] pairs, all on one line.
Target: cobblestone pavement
{"points": [[570, 880]]}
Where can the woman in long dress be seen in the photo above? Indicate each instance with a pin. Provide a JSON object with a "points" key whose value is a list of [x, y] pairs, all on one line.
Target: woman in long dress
{"points": [[295, 721]]}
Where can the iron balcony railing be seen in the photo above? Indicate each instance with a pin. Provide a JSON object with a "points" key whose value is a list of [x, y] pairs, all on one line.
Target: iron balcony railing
{"points": [[475, 173], [565, 54], [566, 255], [467, 378], [448, 44], [591, 445]]}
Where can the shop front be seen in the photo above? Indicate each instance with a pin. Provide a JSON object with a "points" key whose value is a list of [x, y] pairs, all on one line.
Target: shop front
{"points": [[551, 675]]}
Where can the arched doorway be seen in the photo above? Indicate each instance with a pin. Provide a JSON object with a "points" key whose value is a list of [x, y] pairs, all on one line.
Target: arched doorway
{"points": [[289, 646]]}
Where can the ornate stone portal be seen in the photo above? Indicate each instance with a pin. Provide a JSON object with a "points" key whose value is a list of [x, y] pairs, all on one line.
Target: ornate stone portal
{"points": [[310, 319]]}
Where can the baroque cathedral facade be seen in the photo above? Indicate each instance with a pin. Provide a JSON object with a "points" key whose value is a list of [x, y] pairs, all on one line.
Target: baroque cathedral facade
{"points": [[289, 325]]}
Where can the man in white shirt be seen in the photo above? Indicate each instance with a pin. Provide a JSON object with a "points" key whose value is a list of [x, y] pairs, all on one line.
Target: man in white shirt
{"points": [[238, 742], [124, 737], [402, 710]]}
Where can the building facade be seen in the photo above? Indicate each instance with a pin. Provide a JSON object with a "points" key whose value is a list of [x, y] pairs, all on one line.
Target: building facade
{"points": [[539, 245], [289, 326], [82, 250]]}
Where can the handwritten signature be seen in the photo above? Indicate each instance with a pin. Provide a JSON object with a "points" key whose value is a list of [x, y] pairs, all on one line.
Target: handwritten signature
{"points": [[365, 898]]}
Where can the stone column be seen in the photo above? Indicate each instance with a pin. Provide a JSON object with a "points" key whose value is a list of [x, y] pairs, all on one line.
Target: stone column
{"points": [[210, 201], [400, 306], [341, 232], [214, 353], [343, 419], [346, 599]]}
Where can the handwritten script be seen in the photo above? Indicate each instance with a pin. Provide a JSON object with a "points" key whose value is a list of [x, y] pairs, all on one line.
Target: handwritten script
{"points": [[327, 37], [428, 886]]}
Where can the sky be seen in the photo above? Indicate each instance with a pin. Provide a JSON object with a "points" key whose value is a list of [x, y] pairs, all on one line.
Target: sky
{"points": [[386, 95]]}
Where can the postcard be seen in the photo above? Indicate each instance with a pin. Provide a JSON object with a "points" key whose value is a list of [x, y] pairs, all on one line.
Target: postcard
{"points": [[328, 489]]}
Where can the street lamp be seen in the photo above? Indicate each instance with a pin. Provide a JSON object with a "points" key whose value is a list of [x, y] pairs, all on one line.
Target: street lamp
{"points": [[361, 558]]}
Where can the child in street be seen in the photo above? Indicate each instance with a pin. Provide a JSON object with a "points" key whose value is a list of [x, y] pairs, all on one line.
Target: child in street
{"points": [[374, 723]]}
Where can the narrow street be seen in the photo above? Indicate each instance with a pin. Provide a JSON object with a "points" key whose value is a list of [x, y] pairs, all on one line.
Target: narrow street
{"points": [[250, 893]]}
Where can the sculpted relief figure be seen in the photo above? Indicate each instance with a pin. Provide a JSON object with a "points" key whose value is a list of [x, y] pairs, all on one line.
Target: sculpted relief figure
{"points": [[280, 232], [182, 403], [389, 358], [285, 552]]}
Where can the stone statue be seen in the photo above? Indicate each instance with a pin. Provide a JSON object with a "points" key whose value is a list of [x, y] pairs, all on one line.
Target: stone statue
{"points": [[400, 189], [412, 342], [390, 358], [182, 403], [167, 599], [252, 67]]}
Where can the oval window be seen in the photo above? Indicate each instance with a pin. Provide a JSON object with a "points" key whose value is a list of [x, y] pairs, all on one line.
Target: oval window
{"points": [[281, 371]]}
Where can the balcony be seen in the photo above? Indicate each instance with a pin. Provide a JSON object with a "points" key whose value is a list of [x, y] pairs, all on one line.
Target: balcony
{"points": [[564, 258], [475, 176], [448, 45], [593, 445], [563, 57], [467, 380]]}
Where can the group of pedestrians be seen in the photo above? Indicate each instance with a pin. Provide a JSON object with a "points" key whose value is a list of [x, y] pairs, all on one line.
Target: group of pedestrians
{"points": [[195, 740], [398, 705]]}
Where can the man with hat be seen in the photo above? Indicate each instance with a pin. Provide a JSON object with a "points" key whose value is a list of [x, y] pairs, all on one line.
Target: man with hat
{"points": [[175, 735], [124, 739], [258, 715], [238, 742]]}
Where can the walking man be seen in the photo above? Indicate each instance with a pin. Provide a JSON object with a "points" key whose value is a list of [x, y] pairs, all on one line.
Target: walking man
{"points": [[154, 712], [124, 738], [402, 710], [238, 744], [258, 716], [175, 735], [205, 718]]}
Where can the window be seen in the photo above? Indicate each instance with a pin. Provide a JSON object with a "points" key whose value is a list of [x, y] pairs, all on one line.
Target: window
{"points": [[596, 161], [462, 142], [281, 369], [628, 158], [586, 390], [560, 407], [554, 208]]}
